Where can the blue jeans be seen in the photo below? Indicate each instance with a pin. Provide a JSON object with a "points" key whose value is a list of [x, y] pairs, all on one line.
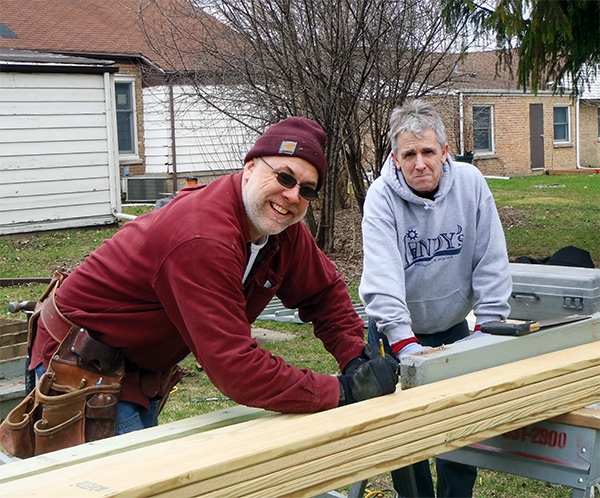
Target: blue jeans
{"points": [[455, 480], [130, 416]]}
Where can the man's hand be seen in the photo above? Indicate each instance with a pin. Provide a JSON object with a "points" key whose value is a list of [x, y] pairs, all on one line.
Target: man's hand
{"points": [[368, 376], [413, 348]]}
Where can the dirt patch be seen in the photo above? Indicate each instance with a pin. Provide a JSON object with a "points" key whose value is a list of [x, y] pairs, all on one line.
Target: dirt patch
{"points": [[347, 244], [511, 217], [347, 249], [265, 336], [348, 255]]}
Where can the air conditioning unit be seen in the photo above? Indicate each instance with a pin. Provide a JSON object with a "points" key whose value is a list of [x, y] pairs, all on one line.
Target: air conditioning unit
{"points": [[145, 188]]}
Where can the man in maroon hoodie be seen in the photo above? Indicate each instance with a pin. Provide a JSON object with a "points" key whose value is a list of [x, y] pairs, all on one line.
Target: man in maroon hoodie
{"points": [[193, 275]]}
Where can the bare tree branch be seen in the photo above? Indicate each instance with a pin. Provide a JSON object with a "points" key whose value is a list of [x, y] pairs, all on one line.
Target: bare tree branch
{"points": [[344, 63]]}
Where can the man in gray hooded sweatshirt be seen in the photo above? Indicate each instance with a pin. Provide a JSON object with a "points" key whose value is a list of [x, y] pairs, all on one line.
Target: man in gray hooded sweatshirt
{"points": [[434, 250]]}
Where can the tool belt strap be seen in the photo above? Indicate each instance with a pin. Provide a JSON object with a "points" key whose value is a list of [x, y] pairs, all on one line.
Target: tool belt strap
{"points": [[56, 323], [83, 349], [57, 278]]}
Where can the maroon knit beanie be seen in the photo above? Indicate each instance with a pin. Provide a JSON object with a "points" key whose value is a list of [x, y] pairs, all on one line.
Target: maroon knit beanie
{"points": [[295, 136]]}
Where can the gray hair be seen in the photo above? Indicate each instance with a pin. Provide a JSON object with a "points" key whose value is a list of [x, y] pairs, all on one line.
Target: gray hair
{"points": [[416, 116]]}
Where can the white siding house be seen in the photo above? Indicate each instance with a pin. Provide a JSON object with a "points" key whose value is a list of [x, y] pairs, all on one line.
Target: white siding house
{"points": [[207, 143], [58, 152]]}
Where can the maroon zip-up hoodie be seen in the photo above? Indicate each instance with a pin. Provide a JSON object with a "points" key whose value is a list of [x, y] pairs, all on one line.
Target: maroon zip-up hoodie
{"points": [[170, 282]]}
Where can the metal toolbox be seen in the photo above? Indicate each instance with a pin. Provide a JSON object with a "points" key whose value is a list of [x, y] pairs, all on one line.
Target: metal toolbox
{"points": [[543, 292]]}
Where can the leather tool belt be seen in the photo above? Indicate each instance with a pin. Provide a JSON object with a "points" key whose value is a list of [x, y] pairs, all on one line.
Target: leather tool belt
{"points": [[76, 400]]}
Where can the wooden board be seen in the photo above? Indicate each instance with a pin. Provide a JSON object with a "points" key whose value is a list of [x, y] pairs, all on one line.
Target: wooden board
{"points": [[13, 351], [127, 442], [13, 338], [304, 455], [584, 417], [9, 326]]}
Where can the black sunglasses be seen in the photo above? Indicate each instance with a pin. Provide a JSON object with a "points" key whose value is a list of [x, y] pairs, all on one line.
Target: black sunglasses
{"points": [[288, 181]]}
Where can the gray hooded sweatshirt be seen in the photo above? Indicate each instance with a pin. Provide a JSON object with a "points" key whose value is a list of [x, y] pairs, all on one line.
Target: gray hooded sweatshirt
{"points": [[428, 263]]}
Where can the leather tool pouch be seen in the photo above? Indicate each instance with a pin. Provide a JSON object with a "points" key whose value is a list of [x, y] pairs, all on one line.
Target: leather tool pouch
{"points": [[74, 402]]}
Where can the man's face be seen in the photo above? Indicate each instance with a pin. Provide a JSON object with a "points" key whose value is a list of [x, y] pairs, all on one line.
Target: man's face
{"points": [[420, 160], [271, 207]]}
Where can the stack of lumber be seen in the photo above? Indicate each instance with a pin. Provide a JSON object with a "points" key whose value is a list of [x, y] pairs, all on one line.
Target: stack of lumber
{"points": [[304, 455], [13, 354]]}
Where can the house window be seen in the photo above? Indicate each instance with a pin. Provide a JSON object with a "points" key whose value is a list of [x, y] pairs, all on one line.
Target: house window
{"points": [[126, 126], [483, 137], [561, 124]]}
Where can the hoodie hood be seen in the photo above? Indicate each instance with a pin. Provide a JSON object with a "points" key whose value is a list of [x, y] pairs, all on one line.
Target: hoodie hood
{"points": [[428, 263], [395, 180]]}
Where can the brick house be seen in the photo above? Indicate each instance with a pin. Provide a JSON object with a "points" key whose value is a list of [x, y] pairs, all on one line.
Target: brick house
{"points": [[516, 132], [512, 132]]}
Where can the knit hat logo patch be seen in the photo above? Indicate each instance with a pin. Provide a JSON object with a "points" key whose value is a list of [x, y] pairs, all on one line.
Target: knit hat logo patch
{"points": [[287, 147], [294, 137]]}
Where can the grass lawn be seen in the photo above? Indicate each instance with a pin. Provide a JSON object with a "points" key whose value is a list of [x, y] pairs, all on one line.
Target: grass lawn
{"points": [[549, 212]]}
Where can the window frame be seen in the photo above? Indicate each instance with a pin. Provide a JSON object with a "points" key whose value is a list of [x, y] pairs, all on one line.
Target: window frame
{"points": [[475, 109], [567, 124], [133, 154]]}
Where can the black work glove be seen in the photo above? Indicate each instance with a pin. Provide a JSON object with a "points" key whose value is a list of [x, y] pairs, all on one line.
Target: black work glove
{"points": [[370, 352], [368, 376]]}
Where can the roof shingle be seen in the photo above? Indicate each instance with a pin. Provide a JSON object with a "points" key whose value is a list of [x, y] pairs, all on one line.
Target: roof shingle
{"points": [[113, 28]]}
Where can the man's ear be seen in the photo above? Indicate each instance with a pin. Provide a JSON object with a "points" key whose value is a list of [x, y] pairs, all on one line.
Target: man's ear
{"points": [[248, 167], [445, 153], [395, 161]]}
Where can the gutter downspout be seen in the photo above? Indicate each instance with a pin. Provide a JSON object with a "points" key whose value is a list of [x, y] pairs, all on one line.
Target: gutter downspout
{"points": [[173, 141], [114, 175], [122, 216], [461, 119], [577, 137]]}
